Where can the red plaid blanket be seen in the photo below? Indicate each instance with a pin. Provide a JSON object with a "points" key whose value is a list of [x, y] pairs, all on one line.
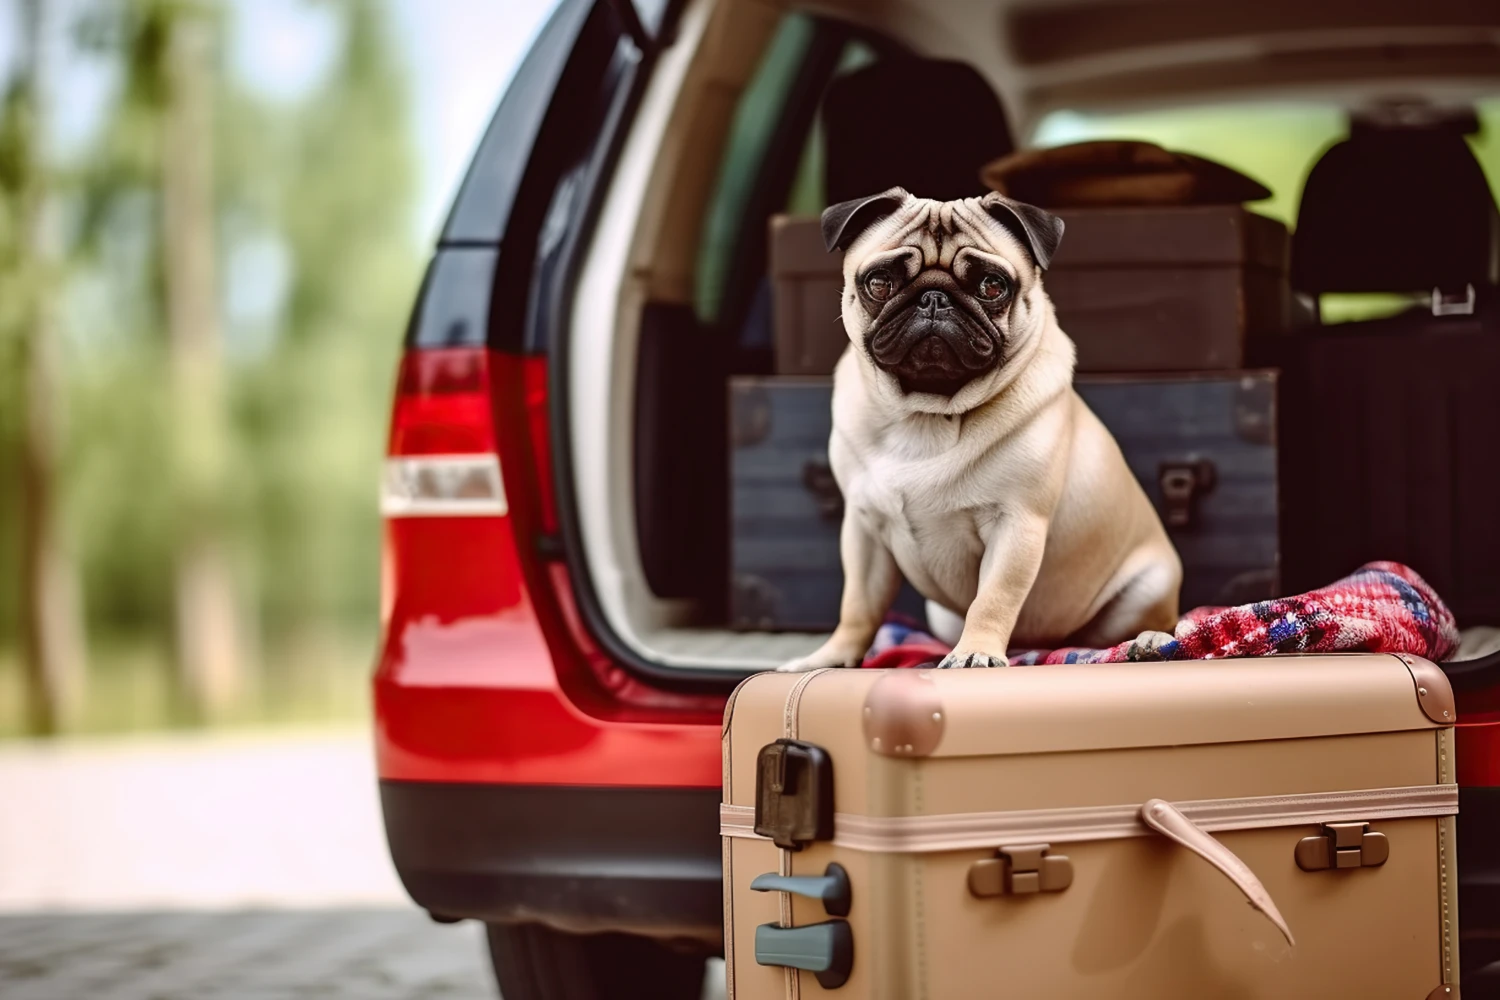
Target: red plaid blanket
{"points": [[1382, 607]]}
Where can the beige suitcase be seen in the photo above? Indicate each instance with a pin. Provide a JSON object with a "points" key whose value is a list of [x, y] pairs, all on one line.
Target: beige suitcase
{"points": [[1279, 827]]}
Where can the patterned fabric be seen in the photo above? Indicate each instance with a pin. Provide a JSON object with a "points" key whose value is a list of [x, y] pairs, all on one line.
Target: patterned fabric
{"points": [[1382, 607]]}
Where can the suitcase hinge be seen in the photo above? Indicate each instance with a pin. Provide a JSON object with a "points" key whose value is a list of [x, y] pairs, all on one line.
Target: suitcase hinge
{"points": [[1021, 870], [1343, 845]]}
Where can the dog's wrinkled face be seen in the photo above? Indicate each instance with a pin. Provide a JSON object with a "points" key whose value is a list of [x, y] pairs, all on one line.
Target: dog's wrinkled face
{"points": [[940, 295]]}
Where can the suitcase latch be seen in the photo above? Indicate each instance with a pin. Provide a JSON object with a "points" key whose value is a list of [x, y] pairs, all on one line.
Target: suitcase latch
{"points": [[831, 888], [1019, 871], [826, 950], [794, 794], [1343, 845], [1182, 483]]}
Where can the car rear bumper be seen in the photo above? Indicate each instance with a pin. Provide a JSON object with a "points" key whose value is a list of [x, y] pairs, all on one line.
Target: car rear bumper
{"points": [[579, 858]]}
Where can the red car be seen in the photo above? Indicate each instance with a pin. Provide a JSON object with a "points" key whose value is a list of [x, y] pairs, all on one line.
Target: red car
{"points": [[556, 653]]}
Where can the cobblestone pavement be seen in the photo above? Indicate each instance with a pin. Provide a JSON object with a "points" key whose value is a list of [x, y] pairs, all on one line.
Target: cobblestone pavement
{"points": [[286, 955], [369, 954]]}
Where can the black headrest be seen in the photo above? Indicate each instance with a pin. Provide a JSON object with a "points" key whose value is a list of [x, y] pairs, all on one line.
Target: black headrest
{"points": [[922, 124], [1396, 210]]}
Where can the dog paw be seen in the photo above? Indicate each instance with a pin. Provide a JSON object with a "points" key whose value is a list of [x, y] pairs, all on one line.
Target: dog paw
{"points": [[957, 659], [802, 664], [1148, 645]]}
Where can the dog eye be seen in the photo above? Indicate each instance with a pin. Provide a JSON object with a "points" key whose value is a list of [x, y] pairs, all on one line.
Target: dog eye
{"points": [[992, 286], [879, 285]]}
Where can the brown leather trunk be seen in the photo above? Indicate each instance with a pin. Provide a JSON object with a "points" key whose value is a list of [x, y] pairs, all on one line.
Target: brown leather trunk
{"points": [[1169, 289], [807, 285], [1180, 289], [1278, 827]]}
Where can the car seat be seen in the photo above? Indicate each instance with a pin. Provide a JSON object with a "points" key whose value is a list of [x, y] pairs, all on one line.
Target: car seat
{"points": [[871, 114], [1388, 427]]}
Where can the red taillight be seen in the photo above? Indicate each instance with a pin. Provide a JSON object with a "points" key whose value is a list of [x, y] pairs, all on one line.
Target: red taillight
{"points": [[458, 412], [443, 404], [442, 459]]}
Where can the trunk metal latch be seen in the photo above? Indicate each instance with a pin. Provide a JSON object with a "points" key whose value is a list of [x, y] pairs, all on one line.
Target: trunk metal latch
{"points": [[818, 478], [1343, 845], [1021, 870], [1182, 483]]}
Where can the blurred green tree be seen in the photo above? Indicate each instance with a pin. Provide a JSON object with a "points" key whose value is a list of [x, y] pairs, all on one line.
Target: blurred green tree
{"points": [[200, 439], [52, 645], [316, 406], [207, 609]]}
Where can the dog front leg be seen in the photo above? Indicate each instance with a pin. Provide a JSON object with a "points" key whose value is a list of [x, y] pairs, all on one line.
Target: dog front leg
{"points": [[1012, 558], [871, 580]]}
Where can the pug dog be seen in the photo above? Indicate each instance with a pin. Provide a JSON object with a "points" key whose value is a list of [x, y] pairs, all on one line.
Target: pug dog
{"points": [[966, 460]]}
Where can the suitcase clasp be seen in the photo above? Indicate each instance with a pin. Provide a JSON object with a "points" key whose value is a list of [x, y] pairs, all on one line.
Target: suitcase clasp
{"points": [[794, 794], [1021, 870], [1343, 845]]}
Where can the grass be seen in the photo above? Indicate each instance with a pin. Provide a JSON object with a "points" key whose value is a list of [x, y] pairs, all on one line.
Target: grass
{"points": [[314, 677]]}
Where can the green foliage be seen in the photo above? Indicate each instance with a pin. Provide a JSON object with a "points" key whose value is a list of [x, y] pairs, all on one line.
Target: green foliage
{"points": [[314, 409], [18, 156]]}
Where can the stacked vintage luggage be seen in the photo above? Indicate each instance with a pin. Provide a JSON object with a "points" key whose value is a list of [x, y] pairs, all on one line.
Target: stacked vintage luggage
{"points": [[1276, 827], [1164, 303]]}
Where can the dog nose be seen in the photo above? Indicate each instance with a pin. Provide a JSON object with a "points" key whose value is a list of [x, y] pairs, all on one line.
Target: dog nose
{"points": [[933, 300]]}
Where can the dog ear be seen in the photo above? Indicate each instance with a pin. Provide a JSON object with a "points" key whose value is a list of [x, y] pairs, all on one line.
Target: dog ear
{"points": [[1041, 231], [842, 223]]}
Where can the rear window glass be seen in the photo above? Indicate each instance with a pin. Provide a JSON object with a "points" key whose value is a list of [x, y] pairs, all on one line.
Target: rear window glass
{"points": [[755, 120], [1275, 143], [773, 161], [807, 196]]}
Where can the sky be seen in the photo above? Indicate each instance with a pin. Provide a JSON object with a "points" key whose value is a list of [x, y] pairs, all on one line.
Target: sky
{"points": [[462, 54], [459, 53]]}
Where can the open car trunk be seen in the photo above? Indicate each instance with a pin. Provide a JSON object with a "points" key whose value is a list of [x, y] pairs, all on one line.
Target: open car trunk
{"points": [[1331, 443], [711, 366]]}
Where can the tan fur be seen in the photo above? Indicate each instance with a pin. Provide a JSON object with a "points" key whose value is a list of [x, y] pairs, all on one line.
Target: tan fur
{"points": [[1007, 503]]}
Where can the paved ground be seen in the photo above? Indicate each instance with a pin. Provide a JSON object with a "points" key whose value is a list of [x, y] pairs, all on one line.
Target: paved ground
{"points": [[369, 954], [251, 866], [250, 955]]}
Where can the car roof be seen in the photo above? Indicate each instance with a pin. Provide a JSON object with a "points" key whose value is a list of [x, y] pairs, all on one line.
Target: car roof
{"points": [[1125, 54]]}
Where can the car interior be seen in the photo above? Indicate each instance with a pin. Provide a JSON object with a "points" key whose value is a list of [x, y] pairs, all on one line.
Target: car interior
{"points": [[760, 115]]}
